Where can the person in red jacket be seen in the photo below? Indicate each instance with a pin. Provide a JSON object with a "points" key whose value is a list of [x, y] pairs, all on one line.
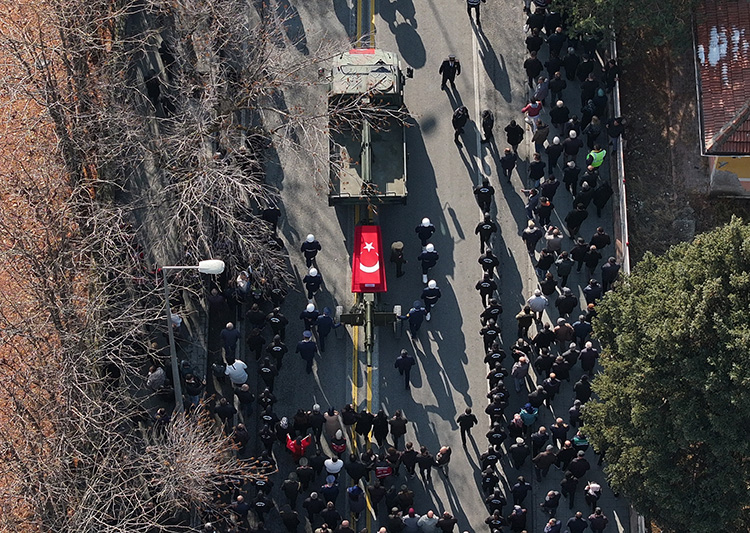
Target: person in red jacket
{"points": [[533, 109], [298, 446]]}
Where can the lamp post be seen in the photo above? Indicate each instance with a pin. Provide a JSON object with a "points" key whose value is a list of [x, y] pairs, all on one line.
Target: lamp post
{"points": [[209, 266]]}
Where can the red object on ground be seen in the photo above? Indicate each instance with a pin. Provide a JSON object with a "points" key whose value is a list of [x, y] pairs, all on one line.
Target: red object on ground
{"points": [[368, 266]]}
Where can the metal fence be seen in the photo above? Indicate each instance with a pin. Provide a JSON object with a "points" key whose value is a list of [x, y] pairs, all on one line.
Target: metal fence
{"points": [[621, 215]]}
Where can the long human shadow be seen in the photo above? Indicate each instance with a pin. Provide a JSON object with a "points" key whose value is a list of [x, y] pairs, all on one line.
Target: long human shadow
{"points": [[265, 12], [387, 9], [468, 151], [511, 284], [344, 15], [409, 42], [494, 68], [456, 222], [410, 45], [292, 24], [454, 97], [455, 504]]}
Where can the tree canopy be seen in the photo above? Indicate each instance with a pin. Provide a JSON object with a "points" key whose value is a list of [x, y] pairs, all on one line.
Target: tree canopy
{"points": [[673, 407], [654, 24]]}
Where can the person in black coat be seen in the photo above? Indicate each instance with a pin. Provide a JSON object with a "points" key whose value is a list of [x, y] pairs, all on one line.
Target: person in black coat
{"points": [[570, 177], [508, 162], [310, 249], [533, 68], [493, 310], [556, 41], [485, 229], [430, 296], [404, 363], [571, 62], [428, 258], [466, 421], [380, 427], [610, 270], [574, 219], [520, 490], [459, 120], [488, 122], [424, 231], [449, 68], [488, 261], [514, 134], [484, 194], [278, 322]]}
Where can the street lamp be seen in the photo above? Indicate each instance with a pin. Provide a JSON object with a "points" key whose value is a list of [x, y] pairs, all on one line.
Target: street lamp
{"points": [[209, 266]]}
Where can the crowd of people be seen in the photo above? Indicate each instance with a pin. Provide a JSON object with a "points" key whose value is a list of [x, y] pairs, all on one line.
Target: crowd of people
{"points": [[552, 351], [344, 460]]}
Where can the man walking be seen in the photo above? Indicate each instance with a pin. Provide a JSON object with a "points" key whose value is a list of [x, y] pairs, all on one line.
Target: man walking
{"points": [[307, 349], [609, 273], [310, 249], [449, 68], [415, 316], [538, 303], [486, 287], [430, 296], [508, 162], [574, 219], [459, 120], [424, 231], [598, 521], [429, 258], [474, 4], [531, 236], [229, 336], [484, 194], [466, 421], [489, 262], [404, 363], [486, 229]]}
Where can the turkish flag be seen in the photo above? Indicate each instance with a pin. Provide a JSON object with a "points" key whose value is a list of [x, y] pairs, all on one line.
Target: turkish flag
{"points": [[368, 267]]}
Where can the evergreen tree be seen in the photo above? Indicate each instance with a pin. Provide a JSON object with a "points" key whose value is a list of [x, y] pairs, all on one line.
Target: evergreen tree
{"points": [[673, 407]]}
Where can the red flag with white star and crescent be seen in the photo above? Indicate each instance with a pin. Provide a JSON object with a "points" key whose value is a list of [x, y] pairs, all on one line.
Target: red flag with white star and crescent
{"points": [[368, 267]]}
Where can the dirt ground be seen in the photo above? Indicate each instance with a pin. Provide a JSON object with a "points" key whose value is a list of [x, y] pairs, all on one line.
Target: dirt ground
{"points": [[666, 177]]}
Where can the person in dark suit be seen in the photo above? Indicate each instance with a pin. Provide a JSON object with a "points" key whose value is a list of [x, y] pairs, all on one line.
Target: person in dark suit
{"points": [[449, 68]]}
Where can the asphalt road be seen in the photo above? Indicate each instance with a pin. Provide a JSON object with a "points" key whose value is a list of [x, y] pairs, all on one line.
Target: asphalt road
{"points": [[450, 374]]}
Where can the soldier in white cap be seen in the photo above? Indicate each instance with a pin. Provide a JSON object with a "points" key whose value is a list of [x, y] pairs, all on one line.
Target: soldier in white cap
{"points": [[430, 296], [313, 280], [310, 316], [310, 249], [424, 231], [429, 259]]}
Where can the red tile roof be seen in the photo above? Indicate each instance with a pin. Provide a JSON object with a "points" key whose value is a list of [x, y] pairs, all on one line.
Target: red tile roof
{"points": [[723, 59]]}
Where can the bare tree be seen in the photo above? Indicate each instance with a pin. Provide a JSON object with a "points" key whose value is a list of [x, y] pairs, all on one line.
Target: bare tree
{"points": [[160, 121]]}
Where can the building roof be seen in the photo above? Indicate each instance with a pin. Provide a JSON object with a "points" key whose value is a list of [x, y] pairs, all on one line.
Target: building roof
{"points": [[723, 65]]}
